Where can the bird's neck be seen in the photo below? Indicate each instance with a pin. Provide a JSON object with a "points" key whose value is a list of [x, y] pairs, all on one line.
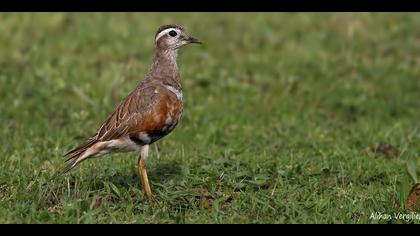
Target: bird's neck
{"points": [[164, 64]]}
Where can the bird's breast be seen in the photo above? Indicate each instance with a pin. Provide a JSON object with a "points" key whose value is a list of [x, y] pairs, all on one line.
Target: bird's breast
{"points": [[176, 91], [162, 119]]}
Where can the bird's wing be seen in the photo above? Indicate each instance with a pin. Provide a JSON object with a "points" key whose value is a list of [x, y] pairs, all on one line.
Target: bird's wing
{"points": [[127, 114], [141, 111]]}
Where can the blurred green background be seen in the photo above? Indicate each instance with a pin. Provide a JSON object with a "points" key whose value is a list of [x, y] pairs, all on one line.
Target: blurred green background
{"points": [[289, 117]]}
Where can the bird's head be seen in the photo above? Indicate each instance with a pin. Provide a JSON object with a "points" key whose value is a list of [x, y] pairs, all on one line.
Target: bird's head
{"points": [[172, 37]]}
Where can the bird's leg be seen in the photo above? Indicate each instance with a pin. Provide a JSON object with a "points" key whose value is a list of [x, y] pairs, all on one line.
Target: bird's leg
{"points": [[142, 170]]}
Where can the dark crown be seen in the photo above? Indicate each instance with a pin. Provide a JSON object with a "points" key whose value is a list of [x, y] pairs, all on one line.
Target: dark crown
{"points": [[164, 27]]}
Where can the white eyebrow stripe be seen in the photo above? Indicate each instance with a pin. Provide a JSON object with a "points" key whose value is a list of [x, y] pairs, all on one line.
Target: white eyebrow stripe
{"points": [[163, 32]]}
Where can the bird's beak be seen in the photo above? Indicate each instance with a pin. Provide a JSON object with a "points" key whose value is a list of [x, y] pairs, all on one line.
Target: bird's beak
{"points": [[193, 40]]}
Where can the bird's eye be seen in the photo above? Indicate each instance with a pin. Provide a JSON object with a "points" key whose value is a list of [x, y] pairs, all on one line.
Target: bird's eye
{"points": [[173, 33]]}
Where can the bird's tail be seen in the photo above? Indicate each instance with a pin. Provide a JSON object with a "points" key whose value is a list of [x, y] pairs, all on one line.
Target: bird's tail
{"points": [[76, 155]]}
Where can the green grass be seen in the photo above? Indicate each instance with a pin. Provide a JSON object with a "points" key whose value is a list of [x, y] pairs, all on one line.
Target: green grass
{"points": [[281, 112]]}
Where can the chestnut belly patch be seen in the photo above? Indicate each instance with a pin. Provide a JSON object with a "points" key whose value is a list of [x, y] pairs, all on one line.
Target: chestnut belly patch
{"points": [[145, 138]]}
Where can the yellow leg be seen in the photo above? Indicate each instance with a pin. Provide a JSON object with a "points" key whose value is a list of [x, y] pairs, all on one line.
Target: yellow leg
{"points": [[143, 173]]}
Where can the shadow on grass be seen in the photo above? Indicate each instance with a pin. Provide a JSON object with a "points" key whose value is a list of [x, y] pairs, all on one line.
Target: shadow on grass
{"points": [[158, 173], [165, 171]]}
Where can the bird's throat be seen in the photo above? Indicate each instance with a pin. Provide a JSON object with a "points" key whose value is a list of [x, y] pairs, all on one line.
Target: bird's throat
{"points": [[164, 63]]}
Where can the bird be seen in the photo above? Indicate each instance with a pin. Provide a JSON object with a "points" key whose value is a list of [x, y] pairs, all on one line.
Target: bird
{"points": [[150, 112]]}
